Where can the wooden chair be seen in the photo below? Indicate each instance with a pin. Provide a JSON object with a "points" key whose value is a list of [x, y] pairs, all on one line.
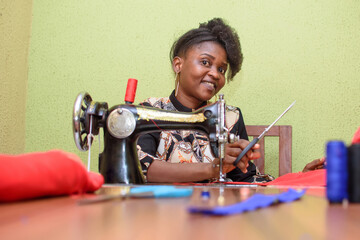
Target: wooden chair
{"points": [[284, 132]]}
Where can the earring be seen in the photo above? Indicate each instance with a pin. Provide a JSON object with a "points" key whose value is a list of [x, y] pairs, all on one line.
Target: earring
{"points": [[177, 80]]}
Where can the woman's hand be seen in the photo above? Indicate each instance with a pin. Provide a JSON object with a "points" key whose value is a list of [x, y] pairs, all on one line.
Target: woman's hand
{"points": [[233, 150], [316, 164]]}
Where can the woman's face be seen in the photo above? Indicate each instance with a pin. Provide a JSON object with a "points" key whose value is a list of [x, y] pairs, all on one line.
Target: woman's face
{"points": [[201, 73]]}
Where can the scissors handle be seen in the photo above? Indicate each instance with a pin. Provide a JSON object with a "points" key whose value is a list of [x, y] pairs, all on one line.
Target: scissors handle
{"points": [[248, 147]]}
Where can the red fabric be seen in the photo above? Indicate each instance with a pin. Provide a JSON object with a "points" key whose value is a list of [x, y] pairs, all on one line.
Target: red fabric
{"points": [[311, 178], [356, 138], [44, 174], [316, 178]]}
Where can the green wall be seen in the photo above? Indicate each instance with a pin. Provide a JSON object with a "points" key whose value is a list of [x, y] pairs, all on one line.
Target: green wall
{"points": [[300, 50], [15, 25]]}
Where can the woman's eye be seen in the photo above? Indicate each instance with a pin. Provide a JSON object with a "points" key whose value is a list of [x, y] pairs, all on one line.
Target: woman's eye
{"points": [[205, 62], [222, 70]]}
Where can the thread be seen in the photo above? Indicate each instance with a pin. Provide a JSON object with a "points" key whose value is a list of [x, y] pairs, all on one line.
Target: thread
{"points": [[336, 171], [354, 173], [130, 90]]}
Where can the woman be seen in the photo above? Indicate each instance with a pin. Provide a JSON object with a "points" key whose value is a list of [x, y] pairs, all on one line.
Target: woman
{"points": [[202, 58]]}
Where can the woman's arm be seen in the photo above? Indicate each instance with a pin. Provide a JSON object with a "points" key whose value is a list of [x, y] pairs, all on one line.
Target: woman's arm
{"points": [[161, 171]]}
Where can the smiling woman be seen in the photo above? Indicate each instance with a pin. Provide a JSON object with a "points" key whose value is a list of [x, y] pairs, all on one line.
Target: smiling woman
{"points": [[202, 59]]}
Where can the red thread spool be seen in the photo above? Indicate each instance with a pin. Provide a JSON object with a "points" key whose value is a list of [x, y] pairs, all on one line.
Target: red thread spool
{"points": [[130, 90]]}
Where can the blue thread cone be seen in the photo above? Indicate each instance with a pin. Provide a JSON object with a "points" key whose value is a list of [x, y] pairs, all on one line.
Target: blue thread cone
{"points": [[336, 171]]}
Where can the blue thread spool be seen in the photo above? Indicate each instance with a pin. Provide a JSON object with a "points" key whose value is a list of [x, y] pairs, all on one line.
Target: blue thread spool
{"points": [[336, 171], [205, 194]]}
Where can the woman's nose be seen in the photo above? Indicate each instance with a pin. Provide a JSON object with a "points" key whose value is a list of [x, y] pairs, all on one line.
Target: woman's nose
{"points": [[214, 73]]}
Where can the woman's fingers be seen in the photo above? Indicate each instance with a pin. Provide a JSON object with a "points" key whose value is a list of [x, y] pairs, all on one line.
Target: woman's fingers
{"points": [[234, 149], [315, 164]]}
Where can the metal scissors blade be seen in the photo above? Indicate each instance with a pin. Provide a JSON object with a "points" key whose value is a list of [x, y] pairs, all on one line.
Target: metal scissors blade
{"points": [[257, 139], [270, 126]]}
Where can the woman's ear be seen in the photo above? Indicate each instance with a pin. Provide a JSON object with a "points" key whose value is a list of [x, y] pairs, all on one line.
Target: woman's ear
{"points": [[177, 64]]}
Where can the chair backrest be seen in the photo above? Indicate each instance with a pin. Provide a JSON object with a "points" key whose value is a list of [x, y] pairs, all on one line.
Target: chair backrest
{"points": [[284, 132]]}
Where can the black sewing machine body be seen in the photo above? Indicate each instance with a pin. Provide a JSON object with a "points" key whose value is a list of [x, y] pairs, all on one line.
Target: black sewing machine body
{"points": [[123, 124]]}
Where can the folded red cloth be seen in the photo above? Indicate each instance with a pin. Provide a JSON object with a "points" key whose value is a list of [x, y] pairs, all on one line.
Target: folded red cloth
{"points": [[311, 178], [316, 178], [356, 138], [42, 174]]}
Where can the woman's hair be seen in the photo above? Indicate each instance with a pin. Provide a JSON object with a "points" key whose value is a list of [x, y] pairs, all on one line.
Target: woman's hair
{"points": [[214, 30]]}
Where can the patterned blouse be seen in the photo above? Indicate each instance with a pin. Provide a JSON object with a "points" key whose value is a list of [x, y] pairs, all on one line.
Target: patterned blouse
{"points": [[185, 146]]}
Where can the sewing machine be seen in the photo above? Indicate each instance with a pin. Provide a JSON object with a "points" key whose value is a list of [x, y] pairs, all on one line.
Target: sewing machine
{"points": [[123, 124]]}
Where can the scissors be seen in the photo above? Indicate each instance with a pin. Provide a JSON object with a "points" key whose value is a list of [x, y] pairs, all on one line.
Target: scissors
{"points": [[257, 139]]}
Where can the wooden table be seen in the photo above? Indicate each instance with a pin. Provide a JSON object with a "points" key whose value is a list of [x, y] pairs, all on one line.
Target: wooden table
{"points": [[312, 217]]}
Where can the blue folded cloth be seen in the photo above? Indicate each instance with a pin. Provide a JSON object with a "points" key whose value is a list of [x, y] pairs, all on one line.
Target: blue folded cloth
{"points": [[254, 202], [162, 191]]}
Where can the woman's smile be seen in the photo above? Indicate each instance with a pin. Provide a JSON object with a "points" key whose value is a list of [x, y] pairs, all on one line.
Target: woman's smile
{"points": [[209, 85]]}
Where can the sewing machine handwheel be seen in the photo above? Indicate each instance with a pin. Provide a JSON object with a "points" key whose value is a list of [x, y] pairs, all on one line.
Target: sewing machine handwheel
{"points": [[82, 102]]}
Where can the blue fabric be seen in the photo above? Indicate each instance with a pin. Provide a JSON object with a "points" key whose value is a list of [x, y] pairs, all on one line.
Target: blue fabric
{"points": [[163, 191], [254, 202]]}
